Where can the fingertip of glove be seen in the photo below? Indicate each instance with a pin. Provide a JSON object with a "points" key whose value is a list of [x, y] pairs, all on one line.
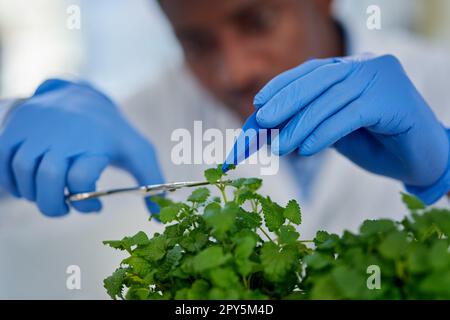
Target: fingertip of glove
{"points": [[91, 206], [152, 207], [54, 213], [258, 101], [265, 119]]}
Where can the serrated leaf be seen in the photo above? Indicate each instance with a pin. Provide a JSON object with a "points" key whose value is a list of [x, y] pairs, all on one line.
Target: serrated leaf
{"points": [[249, 220], [224, 278], [169, 213], [116, 244], [220, 219], [439, 255], [154, 250], [412, 203], [223, 294], [351, 284], [198, 290], [245, 247], [251, 184], [138, 265], [246, 243], [127, 243], [318, 260], [209, 258], [114, 283], [137, 294], [321, 236], [371, 227], [199, 195], [292, 212], [194, 241], [213, 175], [273, 216], [287, 235], [417, 258], [394, 245], [326, 241], [275, 262], [161, 201], [171, 260]]}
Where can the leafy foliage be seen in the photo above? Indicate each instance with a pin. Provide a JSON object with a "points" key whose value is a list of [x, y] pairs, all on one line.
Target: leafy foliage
{"points": [[413, 256], [249, 247]]}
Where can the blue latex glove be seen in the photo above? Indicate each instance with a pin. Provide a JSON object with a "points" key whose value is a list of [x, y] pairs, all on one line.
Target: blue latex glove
{"points": [[369, 110], [63, 137]]}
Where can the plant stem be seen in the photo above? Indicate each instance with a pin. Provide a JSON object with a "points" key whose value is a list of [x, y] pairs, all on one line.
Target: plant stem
{"points": [[265, 233], [306, 241], [244, 279], [298, 278], [224, 196], [254, 209], [222, 187]]}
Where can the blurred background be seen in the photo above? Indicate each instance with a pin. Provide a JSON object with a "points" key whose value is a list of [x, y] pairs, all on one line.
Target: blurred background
{"points": [[122, 46]]}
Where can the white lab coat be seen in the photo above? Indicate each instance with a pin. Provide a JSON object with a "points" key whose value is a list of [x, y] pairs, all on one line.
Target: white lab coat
{"points": [[35, 251]]}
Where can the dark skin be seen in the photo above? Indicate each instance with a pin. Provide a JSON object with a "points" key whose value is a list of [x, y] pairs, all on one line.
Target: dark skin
{"points": [[235, 47]]}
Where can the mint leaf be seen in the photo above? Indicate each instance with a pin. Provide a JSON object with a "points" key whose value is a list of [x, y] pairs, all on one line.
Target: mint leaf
{"points": [[171, 260], [324, 240], [154, 250], [114, 283], [248, 220], [412, 202], [219, 248], [394, 245], [250, 184], [198, 291], [199, 195], [138, 265], [318, 260], [137, 294], [287, 235], [169, 213], [292, 212], [245, 247], [273, 215], [372, 227], [275, 262], [224, 278], [214, 174], [220, 219], [161, 201], [127, 242], [209, 258], [194, 241]]}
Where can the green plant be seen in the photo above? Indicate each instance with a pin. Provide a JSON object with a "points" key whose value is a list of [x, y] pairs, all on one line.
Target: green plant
{"points": [[248, 247], [412, 256]]}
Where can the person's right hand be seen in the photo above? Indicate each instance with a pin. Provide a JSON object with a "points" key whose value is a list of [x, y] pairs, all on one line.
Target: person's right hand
{"points": [[62, 138]]}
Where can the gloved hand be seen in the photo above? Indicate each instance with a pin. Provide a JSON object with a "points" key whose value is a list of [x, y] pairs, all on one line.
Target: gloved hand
{"points": [[64, 136], [369, 110]]}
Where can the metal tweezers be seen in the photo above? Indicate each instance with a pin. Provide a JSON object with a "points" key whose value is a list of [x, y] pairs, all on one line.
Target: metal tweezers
{"points": [[146, 190]]}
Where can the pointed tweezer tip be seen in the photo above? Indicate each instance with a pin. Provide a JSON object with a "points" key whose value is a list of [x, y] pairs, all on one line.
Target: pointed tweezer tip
{"points": [[225, 167]]}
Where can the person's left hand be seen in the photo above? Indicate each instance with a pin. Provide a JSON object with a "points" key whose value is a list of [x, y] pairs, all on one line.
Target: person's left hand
{"points": [[366, 107]]}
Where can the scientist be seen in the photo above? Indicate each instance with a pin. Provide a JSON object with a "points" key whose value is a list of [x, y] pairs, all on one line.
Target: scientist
{"points": [[367, 107]]}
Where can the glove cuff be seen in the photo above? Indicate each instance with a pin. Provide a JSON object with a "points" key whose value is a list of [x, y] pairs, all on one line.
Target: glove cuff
{"points": [[431, 194]]}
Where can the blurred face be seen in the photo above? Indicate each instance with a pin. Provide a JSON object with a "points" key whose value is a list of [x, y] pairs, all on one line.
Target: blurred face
{"points": [[234, 47]]}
